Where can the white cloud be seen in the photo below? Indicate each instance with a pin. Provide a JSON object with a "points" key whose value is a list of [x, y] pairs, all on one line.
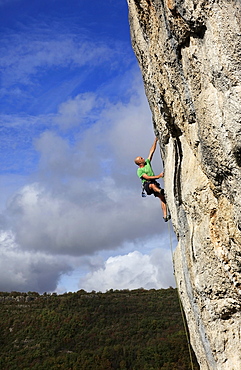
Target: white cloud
{"points": [[27, 271], [74, 111], [76, 224], [56, 155], [132, 271], [35, 53], [68, 173], [86, 197]]}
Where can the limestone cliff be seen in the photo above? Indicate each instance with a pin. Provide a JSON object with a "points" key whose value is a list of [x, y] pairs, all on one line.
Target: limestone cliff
{"points": [[189, 52]]}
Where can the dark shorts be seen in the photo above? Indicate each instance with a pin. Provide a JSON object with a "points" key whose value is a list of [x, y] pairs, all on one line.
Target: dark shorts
{"points": [[150, 191]]}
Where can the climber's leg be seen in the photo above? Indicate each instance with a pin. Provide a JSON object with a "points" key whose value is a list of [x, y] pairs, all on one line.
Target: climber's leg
{"points": [[163, 202]]}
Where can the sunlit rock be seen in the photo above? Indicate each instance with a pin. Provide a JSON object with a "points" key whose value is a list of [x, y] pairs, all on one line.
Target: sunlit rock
{"points": [[189, 52]]}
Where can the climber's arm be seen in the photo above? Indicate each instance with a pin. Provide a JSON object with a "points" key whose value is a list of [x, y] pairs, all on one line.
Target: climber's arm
{"points": [[152, 150], [146, 177]]}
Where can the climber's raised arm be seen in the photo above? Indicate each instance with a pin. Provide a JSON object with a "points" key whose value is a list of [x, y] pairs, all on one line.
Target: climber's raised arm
{"points": [[152, 150]]}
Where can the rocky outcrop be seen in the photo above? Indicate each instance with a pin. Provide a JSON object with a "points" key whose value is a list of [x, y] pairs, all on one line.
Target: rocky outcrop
{"points": [[189, 53]]}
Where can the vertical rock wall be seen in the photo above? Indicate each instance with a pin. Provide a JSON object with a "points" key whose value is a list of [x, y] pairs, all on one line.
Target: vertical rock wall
{"points": [[189, 52]]}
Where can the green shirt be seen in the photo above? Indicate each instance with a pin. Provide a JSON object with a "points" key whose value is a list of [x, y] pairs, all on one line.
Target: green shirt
{"points": [[147, 169]]}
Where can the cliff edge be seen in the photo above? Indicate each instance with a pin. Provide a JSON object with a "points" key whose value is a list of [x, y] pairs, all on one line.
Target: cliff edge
{"points": [[189, 52]]}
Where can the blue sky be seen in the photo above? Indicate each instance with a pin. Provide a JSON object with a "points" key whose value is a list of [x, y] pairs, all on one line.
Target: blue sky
{"points": [[73, 115]]}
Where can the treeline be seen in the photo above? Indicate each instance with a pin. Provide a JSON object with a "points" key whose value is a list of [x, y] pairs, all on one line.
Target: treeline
{"points": [[137, 330]]}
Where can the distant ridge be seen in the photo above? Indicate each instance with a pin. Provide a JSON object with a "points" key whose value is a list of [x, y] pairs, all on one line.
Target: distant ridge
{"points": [[137, 329]]}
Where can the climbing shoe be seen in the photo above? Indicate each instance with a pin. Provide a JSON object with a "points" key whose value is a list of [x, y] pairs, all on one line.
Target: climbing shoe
{"points": [[167, 218]]}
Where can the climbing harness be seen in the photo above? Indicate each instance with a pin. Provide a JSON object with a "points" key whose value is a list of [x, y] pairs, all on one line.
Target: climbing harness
{"points": [[179, 299], [145, 192]]}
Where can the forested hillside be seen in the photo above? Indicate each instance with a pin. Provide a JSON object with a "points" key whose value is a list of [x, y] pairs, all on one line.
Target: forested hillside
{"points": [[138, 329]]}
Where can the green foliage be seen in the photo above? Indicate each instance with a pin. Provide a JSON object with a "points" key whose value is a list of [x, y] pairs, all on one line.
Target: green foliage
{"points": [[137, 330]]}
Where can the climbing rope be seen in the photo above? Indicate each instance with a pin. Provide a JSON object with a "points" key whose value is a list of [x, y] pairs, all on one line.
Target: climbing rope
{"points": [[179, 300]]}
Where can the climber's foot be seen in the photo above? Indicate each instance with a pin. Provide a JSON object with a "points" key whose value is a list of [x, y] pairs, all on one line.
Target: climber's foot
{"points": [[167, 218]]}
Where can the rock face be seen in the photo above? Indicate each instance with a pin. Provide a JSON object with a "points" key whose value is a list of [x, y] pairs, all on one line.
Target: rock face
{"points": [[189, 52]]}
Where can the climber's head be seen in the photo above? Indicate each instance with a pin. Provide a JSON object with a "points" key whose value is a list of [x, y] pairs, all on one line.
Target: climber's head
{"points": [[139, 161]]}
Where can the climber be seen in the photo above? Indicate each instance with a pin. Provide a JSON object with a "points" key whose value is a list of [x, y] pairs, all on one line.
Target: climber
{"points": [[148, 178]]}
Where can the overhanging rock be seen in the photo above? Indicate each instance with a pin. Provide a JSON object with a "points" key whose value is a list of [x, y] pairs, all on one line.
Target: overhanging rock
{"points": [[189, 52]]}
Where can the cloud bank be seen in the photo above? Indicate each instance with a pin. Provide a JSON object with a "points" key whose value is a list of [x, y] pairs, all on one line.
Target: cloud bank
{"points": [[132, 271], [70, 197], [85, 198]]}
